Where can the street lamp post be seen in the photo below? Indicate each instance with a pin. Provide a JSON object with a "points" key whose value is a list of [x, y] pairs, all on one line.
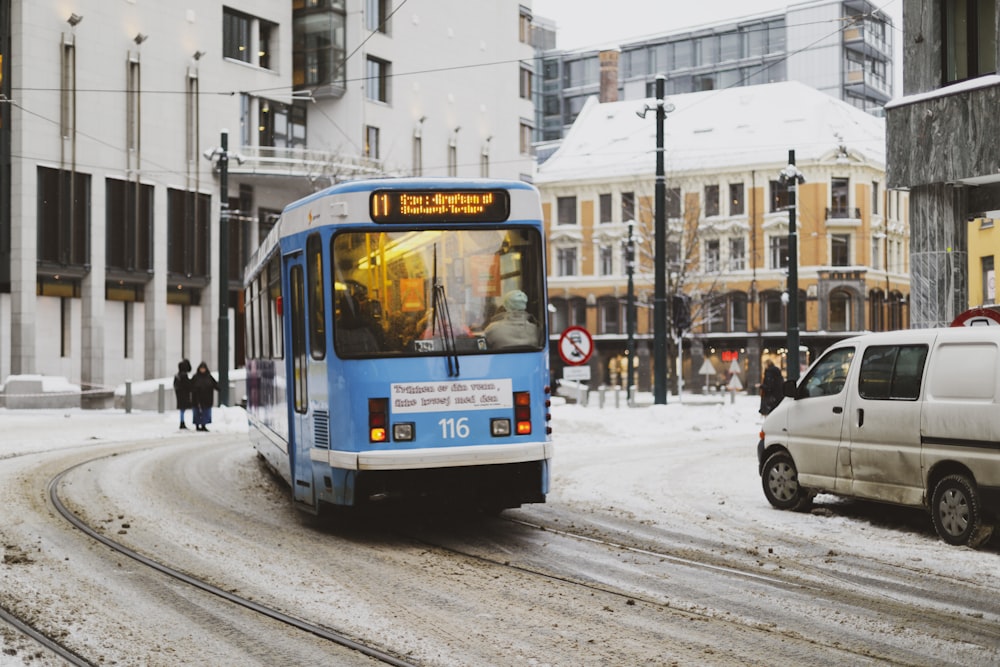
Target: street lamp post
{"points": [[630, 311], [220, 157], [224, 270], [792, 177], [659, 250]]}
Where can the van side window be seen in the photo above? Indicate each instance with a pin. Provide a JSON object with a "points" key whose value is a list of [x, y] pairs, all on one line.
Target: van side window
{"points": [[829, 374], [892, 372]]}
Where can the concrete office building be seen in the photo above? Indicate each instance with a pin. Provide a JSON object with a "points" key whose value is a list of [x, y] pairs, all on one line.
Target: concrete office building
{"points": [[109, 208], [841, 47]]}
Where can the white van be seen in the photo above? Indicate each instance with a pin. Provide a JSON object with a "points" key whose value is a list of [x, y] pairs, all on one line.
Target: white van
{"points": [[904, 417]]}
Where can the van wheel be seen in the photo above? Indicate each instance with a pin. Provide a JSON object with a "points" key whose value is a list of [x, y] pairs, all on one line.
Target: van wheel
{"points": [[956, 513], [780, 479]]}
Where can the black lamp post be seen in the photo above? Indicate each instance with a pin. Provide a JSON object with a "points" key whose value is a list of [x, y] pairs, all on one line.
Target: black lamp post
{"points": [[630, 309], [221, 157], [659, 251], [791, 177]]}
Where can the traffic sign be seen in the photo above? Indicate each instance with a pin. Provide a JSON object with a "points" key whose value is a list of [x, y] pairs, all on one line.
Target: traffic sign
{"points": [[978, 316], [576, 346]]}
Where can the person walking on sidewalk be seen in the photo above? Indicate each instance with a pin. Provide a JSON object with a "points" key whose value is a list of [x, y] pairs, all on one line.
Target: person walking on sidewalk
{"points": [[182, 389], [203, 388]]}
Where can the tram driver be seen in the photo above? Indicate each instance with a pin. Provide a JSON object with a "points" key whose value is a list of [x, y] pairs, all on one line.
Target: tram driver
{"points": [[512, 326]]}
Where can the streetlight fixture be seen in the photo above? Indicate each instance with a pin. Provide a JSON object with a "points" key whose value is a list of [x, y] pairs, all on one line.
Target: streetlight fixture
{"points": [[791, 177], [659, 250]]}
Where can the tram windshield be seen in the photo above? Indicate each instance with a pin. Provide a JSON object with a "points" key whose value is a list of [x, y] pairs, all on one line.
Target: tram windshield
{"points": [[438, 291]]}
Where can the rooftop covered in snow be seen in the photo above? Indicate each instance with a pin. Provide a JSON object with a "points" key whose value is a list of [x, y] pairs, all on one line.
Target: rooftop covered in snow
{"points": [[714, 130]]}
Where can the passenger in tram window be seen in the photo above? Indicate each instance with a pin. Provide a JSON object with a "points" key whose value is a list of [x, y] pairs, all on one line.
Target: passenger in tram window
{"points": [[203, 388], [182, 389], [513, 326]]}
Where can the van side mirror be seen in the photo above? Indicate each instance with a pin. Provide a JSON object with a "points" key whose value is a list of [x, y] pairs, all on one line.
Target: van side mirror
{"points": [[788, 389]]}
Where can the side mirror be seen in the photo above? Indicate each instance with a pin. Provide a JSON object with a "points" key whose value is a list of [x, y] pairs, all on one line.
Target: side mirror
{"points": [[788, 389]]}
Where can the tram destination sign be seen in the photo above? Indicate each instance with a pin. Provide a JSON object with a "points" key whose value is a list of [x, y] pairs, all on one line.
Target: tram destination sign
{"points": [[402, 206]]}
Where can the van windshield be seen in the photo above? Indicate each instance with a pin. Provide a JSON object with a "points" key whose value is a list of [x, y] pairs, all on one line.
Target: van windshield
{"points": [[829, 374]]}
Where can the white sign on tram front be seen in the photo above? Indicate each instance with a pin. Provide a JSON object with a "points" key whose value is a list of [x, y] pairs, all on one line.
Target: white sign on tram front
{"points": [[451, 395]]}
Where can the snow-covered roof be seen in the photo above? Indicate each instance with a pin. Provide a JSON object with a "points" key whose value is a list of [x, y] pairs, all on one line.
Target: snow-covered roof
{"points": [[715, 130]]}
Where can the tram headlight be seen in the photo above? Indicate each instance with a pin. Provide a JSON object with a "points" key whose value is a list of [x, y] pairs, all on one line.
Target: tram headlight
{"points": [[500, 428], [403, 431]]}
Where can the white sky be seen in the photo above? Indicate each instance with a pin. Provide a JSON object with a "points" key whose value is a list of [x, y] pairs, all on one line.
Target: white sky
{"points": [[582, 23]]}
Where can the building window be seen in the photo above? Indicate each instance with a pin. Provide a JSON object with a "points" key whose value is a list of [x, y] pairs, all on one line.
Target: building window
{"points": [[738, 311], [840, 311], [525, 138], [988, 277], [711, 255], [235, 35], [377, 75], [711, 201], [558, 315], [132, 108], [191, 118], [566, 207], [606, 260], [281, 125], [737, 254], [779, 196], [736, 205], [969, 40], [371, 142], [875, 197], [188, 224], [452, 158], [839, 190], [566, 261], [63, 217], [772, 311], [376, 15], [876, 310], [525, 83], [129, 212], [524, 26], [319, 43], [578, 312], [609, 308], [778, 255], [266, 32], [418, 155], [628, 206], [67, 94], [840, 249], [673, 206], [604, 206]]}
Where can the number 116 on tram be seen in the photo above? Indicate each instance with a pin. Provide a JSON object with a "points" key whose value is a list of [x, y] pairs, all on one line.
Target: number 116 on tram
{"points": [[397, 347]]}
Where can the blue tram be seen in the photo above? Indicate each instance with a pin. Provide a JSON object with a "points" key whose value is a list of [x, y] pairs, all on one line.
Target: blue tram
{"points": [[396, 344]]}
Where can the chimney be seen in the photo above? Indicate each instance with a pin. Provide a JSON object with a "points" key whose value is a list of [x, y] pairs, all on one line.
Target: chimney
{"points": [[609, 75]]}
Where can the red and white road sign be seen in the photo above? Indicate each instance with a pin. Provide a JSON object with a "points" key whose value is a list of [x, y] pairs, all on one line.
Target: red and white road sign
{"points": [[576, 346]]}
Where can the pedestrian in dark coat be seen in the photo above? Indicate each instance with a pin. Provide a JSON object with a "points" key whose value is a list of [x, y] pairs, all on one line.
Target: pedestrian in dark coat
{"points": [[771, 391], [182, 389], [203, 388]]}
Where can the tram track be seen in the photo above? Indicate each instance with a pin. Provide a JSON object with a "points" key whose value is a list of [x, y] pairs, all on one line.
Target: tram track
{"points": [[327, 634], [971, 626]]}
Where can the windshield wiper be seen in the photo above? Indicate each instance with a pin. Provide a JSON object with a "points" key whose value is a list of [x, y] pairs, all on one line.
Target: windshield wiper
{"points": [[442, 316]]}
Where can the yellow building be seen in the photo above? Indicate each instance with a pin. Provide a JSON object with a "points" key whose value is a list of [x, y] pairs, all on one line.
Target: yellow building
{"points": [[984, 246], [727, 219]]}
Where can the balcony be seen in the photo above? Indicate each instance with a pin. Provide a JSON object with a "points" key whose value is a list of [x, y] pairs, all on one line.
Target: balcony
{"points": [[314, 165]]}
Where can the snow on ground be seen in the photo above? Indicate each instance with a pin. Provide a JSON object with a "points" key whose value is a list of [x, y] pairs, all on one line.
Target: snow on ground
{"points": [[689, 467]]}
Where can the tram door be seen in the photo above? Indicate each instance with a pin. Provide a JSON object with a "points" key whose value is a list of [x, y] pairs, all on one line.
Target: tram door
{"points": [[298, 361]]}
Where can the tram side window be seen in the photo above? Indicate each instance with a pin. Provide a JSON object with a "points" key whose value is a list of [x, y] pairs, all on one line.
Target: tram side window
{"points": [[299, 361], [317, 311], [274, 313], [252, 332]]}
